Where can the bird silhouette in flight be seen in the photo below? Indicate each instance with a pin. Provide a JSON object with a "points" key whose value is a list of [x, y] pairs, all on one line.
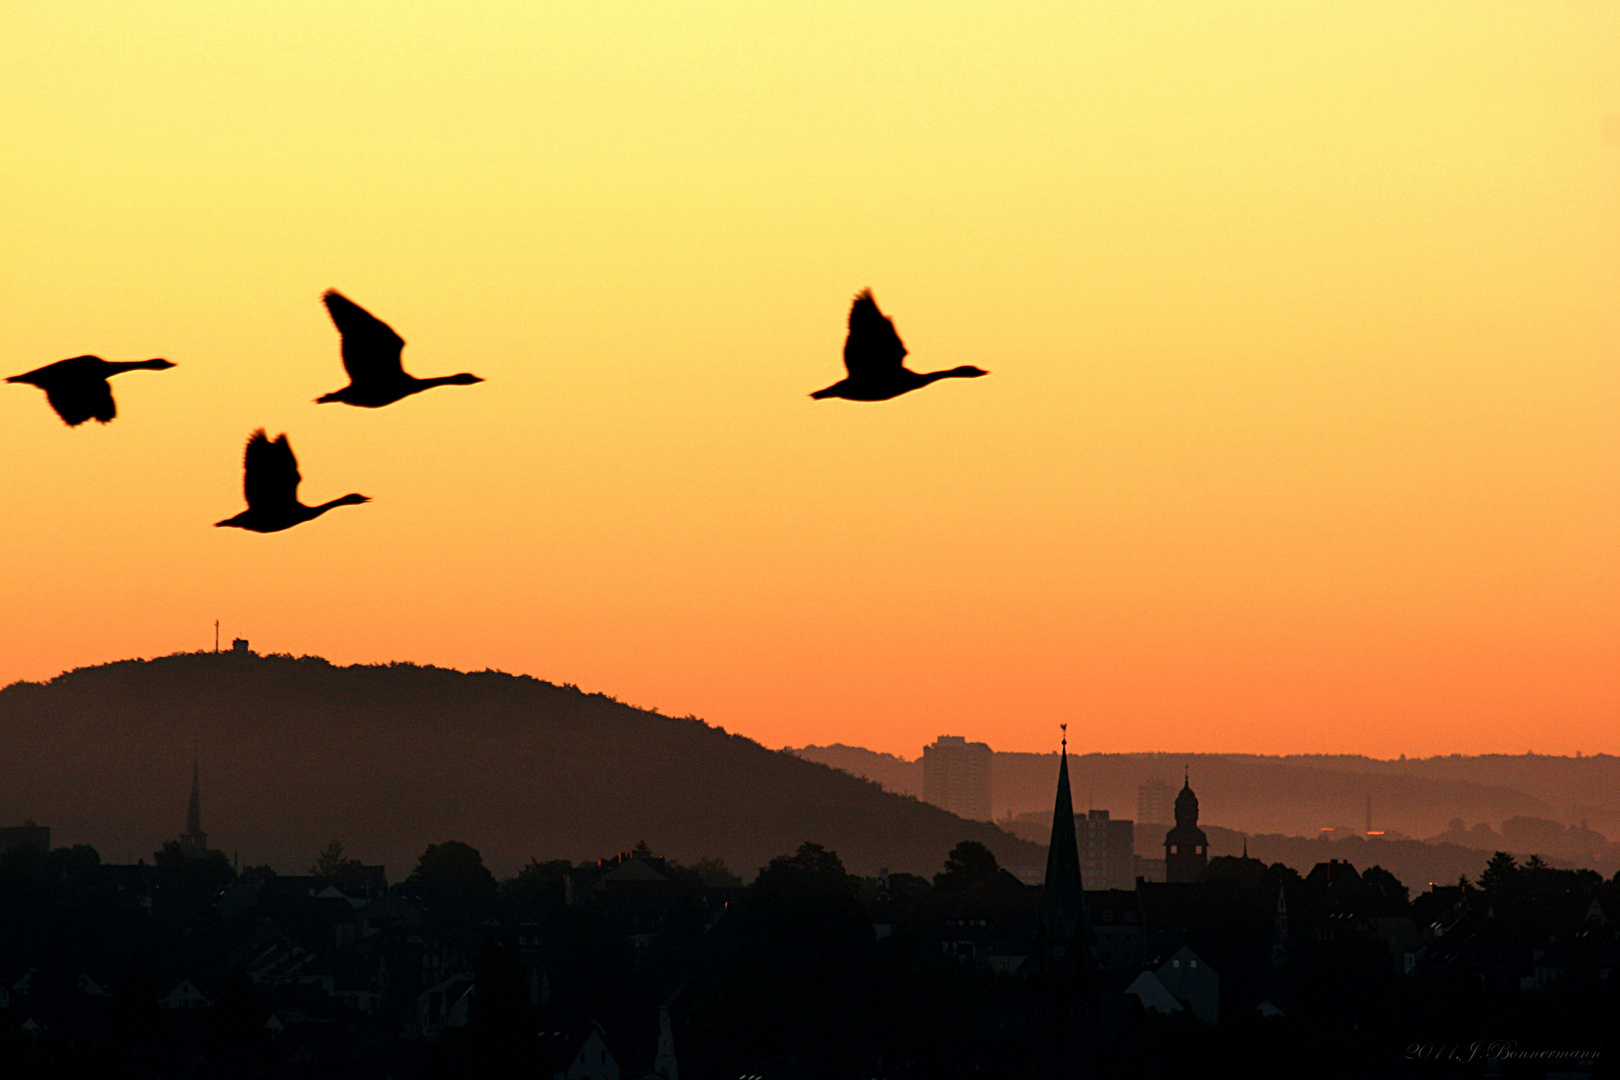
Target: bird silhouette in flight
{"points": [[270, 482], [77, 389], [371, 357], [875, 359]]}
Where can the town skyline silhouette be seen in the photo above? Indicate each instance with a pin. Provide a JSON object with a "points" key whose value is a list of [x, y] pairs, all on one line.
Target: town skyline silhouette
{"points": [[1098, 963]]}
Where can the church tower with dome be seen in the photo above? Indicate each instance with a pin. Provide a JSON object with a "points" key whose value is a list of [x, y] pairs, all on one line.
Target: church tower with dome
{"points": [[1186, 848]]}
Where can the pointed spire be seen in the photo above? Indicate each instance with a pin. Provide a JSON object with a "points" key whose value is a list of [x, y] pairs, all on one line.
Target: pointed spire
{"points": [[1063, 901], [194, 840]]}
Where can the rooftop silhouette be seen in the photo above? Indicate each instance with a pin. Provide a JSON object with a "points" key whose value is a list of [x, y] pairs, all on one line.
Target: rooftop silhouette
{"points": [[371, 356], [875, 358], [270, 482], [77, 388]]}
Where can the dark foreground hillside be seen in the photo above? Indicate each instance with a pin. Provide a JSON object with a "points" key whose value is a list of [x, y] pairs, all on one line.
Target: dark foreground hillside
{"points": [[297, 752]]}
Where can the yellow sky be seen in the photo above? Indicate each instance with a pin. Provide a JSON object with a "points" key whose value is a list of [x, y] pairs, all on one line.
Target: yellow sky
{"points": [[1303, 322]]}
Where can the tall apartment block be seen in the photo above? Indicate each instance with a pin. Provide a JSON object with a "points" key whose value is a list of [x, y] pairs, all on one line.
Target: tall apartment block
{"points": [[956, 776], [1155, 804], [1107, 850]]}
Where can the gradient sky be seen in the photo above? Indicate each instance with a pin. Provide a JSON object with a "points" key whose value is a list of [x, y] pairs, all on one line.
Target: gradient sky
{"points": [[1302, 433]]}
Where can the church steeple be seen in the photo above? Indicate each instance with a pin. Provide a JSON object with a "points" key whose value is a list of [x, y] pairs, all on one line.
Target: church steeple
{"points": [[1063, 901], [1063, 944], [194, 841], [1060, 969]]}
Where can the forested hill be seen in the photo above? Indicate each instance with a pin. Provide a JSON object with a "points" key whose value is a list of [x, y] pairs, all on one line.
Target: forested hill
{"points": [[297, 752]]}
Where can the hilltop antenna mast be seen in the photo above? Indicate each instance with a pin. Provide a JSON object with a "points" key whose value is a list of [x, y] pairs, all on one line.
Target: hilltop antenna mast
{"points": [[216, 635]]}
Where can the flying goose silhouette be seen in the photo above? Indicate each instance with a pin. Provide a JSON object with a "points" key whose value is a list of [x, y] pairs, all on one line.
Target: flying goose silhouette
{"points": [[875, 359], [371, 357], [270, 482], [77, 389]]}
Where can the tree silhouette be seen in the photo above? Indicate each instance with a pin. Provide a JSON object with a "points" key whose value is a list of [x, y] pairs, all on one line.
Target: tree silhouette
{"points": [[715, 873], [1501, 875], [452, 880], [810, 869], [969, 863], [331, 862]]}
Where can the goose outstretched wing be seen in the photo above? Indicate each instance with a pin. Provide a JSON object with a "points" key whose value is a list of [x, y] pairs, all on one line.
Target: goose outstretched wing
{"points": [[370, 347], [269, 472], [78, 400], [872, 348], [77, 389]]}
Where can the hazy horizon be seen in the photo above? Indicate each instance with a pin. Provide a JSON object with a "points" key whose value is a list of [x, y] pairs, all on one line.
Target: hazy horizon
{"points": [[290, 749], [1076, 733]]}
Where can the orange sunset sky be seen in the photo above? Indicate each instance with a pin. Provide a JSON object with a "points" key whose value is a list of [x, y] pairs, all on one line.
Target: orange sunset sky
{"points": [[1302, 433]]}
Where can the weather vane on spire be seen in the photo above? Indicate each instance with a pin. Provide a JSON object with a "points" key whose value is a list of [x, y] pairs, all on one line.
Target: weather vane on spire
{"points": [[1065, 729]]}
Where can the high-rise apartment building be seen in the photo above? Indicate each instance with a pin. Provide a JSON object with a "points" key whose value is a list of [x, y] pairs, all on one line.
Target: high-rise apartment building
{"points": [[1155, 804], [1107, 855], [956, 776]]}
